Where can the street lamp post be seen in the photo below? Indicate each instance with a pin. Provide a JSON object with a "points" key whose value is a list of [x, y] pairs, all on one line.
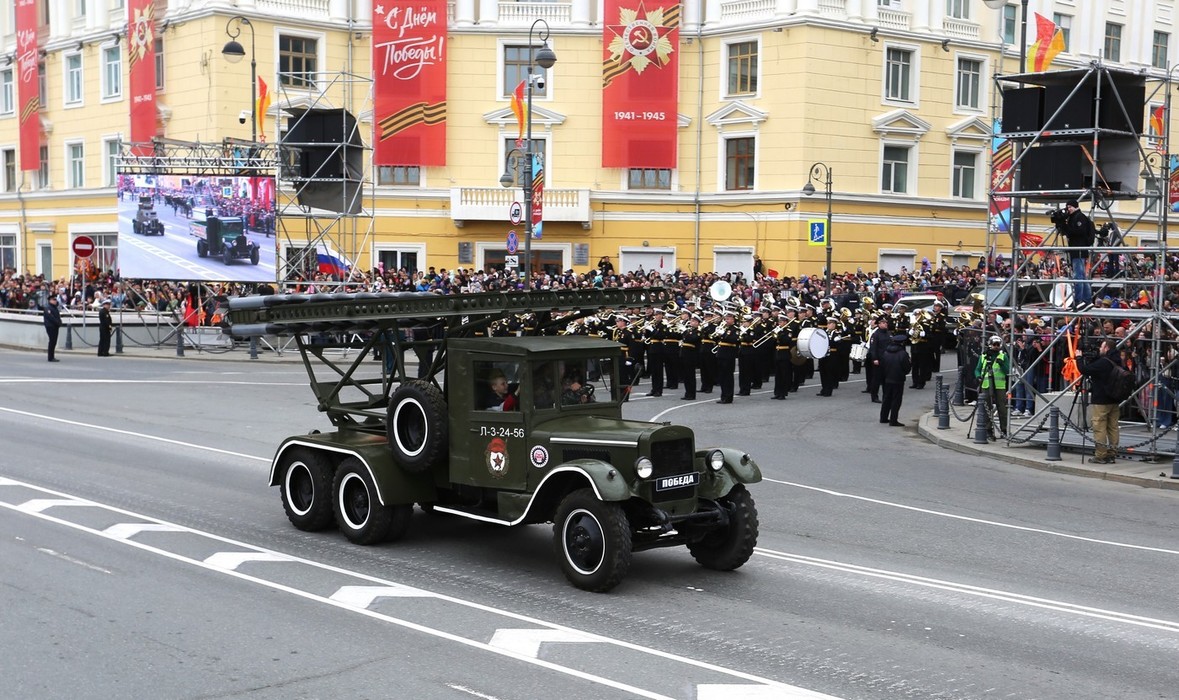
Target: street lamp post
{"points": [[821, 171], [545, 58], [233, 52]]}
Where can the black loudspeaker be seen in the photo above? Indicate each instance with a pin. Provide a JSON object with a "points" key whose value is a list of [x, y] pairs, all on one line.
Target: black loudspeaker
{"points": [[1133, 96], [323, 156], [1023, 110], [1052, 167], [1064, 112]]}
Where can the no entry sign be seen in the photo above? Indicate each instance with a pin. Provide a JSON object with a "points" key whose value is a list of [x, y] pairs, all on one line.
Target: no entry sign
{"points": [[83, 246]]}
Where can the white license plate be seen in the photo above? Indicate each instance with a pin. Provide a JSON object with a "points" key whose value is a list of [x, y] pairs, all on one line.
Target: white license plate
{"points": [[674, 482]]}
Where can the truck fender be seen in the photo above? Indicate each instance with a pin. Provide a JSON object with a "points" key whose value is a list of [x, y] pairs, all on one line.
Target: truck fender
{"points": [[393, 485], [605, 480], [739, 468]]}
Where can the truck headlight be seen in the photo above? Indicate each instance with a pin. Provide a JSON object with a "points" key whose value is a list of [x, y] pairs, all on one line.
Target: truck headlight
{"points": [[644, 468], [716, 460]]}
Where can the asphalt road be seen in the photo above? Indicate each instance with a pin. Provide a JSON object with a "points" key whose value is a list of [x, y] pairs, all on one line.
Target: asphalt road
{"points": [[174, 255], [144, 556]]}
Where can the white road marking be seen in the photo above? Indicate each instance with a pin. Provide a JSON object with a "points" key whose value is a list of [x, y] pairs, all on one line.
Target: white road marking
{"points": [[527, 642], [980, 521], [469, 691], [130, 433], [63, 380], [72, 560], [589, 637], [124, 531], [978, 591], [363, 596], [230, 561], [40, 505], [755, 692]]}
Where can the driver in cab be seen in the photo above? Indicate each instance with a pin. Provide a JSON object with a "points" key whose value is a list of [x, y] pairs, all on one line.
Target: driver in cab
{"points": [[574, 389]]}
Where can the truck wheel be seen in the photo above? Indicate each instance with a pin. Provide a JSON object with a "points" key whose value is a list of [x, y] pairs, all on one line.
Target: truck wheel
{"points": [[728, 548], [254, 255], [359, 512], [306, 489], [416, 426], [226, 255], [202, 249], [593, 541]]}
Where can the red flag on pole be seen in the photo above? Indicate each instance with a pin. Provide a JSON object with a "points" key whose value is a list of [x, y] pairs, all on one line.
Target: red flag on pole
{"points": [[518, 110]]}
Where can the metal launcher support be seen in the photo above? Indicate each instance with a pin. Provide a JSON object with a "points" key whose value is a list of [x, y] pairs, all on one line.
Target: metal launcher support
{"points": [[336, 333]]}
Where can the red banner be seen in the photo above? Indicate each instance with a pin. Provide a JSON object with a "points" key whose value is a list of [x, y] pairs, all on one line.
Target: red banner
{"points": [[409, 82], [640, 83], [28, 85], [141, 68]]}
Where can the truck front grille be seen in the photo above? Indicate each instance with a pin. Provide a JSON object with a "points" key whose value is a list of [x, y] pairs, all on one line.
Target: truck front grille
{"points": [[671, 458]]}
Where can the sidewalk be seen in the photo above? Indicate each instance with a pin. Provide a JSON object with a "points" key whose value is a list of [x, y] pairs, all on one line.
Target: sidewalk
{"points": [[1128, 470]]}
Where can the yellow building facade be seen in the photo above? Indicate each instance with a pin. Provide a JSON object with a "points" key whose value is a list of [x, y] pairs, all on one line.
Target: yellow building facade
{"points": [[895, 99]]}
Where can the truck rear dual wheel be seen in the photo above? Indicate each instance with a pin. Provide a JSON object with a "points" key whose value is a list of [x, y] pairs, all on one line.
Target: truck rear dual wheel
{"points": [[728, 548], [416, 426], [306, 489], [592, 539], [359, 513], [202, 249]]}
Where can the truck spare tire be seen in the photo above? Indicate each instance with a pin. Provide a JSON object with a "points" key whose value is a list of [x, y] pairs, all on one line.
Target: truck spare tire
{"points": [[416, 426]]}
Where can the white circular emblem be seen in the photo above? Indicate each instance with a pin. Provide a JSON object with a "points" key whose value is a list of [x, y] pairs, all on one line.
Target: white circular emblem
{"points": [[539, 456], [640, 37]]}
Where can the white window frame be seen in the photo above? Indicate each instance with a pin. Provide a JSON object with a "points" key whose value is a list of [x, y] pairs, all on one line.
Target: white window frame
{"points": [[5, 185], [417, 248], [503, 92], [421, 183], [723, 163], [160, 63], [1121, 39], [108, 94], [724, 69], [978, 173], [7, 91], [962, 6], [69, 166], [109, 171], [1064, 23], [1014, 9], [914, 52], [911, 171], [984, 69], [79, 100], [549, 156], [14, 231], [47, 183], [1167, 49], [320, 58], [624, 181], [42, 247]]}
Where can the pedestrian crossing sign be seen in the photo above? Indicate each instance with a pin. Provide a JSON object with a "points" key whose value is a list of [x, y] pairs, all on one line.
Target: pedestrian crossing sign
{"points": [[817, 232]]}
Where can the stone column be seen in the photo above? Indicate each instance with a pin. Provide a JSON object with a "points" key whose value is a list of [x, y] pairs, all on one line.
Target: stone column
{"points": [[464, 13], [580, 16], [488, 13]]}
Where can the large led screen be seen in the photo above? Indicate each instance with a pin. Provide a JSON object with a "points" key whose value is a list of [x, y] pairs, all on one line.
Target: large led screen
{"points": [[185, 227]]}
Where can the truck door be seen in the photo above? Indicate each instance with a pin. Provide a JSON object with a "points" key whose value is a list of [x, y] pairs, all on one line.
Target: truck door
{"points": [[496, 453]]}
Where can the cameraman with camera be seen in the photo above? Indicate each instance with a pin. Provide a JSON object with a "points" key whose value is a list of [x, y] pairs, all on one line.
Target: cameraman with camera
{"points": [[1078, 230]]}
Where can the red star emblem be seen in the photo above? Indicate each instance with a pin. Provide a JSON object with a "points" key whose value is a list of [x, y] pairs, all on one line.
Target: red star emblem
{"points": [[640, 38]]}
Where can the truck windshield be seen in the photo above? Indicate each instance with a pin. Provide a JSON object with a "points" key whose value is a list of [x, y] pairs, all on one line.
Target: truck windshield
{"points": [[589, 380]]}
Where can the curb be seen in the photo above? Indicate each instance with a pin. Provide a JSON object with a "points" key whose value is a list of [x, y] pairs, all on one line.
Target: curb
{"points": [[1145, 482]]}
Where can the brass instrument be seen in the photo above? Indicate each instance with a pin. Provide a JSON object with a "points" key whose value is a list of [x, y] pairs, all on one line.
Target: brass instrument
{"points": [[761, 341]]}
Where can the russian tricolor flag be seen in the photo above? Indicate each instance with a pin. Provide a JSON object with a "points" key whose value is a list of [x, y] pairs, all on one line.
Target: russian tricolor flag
{"points": [[332, 262]]}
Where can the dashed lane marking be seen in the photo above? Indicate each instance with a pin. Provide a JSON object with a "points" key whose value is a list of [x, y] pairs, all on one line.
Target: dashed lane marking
{"points": [[510, 641]]}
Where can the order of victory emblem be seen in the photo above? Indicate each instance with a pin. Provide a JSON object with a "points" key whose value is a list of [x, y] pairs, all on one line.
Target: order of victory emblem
{"points": [[640, 38], [497, 457]]}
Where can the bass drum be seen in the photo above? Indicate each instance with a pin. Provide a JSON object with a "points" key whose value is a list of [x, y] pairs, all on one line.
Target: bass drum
{"points": [[813, 343]]}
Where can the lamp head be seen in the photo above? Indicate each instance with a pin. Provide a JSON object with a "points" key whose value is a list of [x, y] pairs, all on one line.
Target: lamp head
{"points": [[506, 180], [233, 51], [808, 189], [995, 4], [545, 57]]}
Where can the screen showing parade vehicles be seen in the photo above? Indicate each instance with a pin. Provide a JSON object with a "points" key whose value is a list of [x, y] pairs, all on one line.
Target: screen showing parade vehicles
{"points": [[225, 238], [507, 430], [163, 222]]}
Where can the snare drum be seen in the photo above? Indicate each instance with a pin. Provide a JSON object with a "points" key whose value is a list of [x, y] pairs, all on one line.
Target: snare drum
{"points": [[859, 352], [813, 343]]}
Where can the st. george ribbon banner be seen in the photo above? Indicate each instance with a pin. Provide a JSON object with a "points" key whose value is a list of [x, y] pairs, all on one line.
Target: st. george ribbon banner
{"points": [[409, 82], [640, 83], [28, 85], [141, 69]]}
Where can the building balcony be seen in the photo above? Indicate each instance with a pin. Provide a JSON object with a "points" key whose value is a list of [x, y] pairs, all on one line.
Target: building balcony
{"points": [[961, 28], [893, 19], [303, 9], [523, 14], [495, 203], [735, 11], [833, 8]]}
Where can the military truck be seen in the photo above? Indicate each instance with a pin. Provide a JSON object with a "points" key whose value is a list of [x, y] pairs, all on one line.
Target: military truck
{"points": [[512, 430], [224, 237], [147, 222]]}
